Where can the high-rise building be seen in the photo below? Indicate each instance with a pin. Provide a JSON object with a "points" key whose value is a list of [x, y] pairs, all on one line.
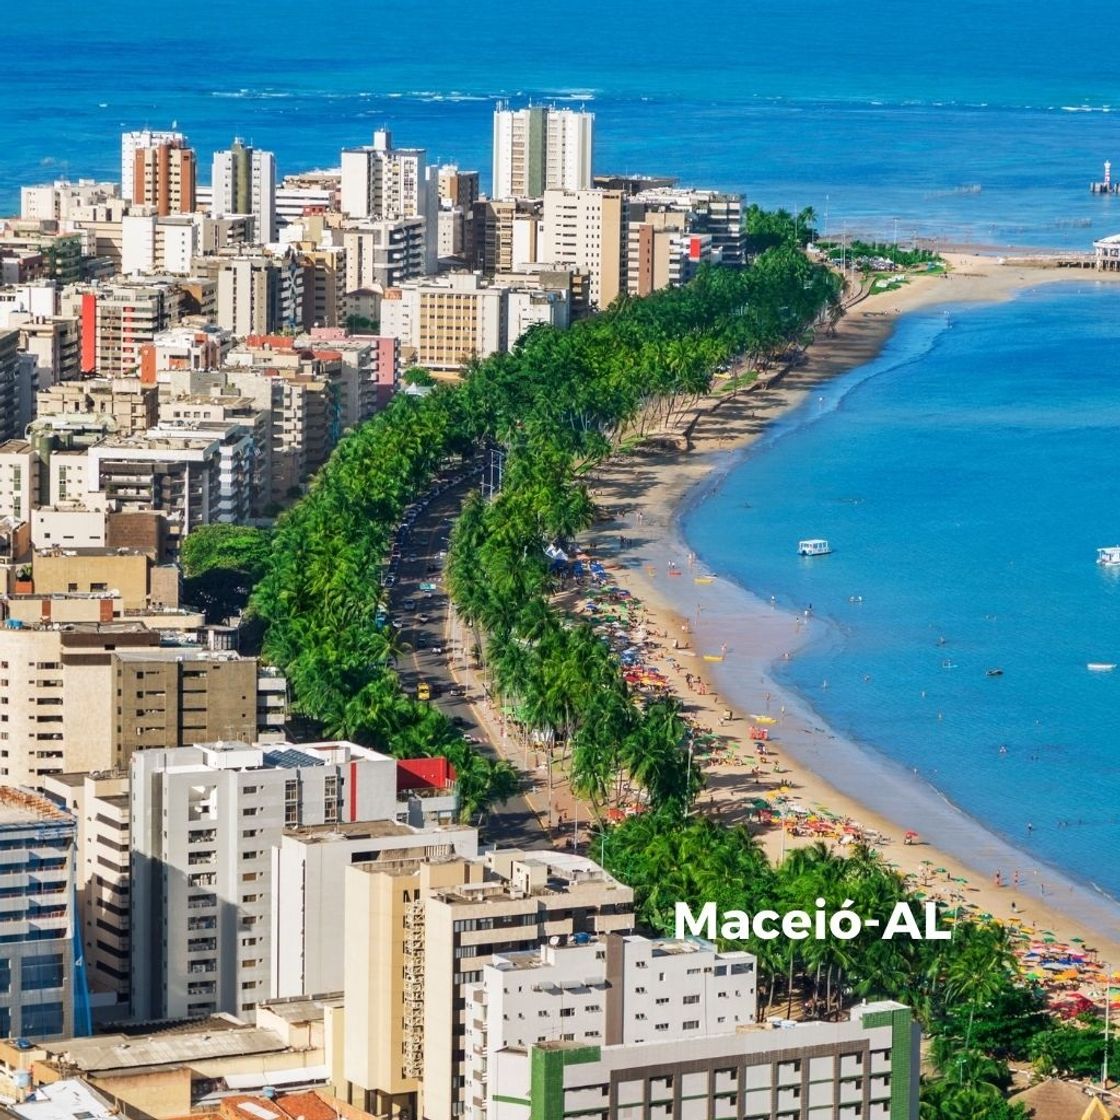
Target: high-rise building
{"points": [[204, 821], [9, 384], [244, 182], [135, 141], [164, 176], [621, 989], [505, 234], [259, 293], [420, 934], [84, 697], [587, 229], [449, 320], [98, 804], [382, 254], [43, 993], [117, 320], [539, 149], [380, 182]]}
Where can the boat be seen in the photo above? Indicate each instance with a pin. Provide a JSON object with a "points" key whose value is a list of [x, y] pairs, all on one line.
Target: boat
{"points": [[948, 664], [1101, 666], [1110, 556], [994, 673], [820, 547]]}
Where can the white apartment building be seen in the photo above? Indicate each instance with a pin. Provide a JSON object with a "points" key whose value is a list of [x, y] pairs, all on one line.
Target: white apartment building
{"points": [[204, 821], [136, 141], [43, 991], [865, 1068], [99, 805], [19, 479], [623, 989], [57, 526], [38, 299], [62, 200], [541, 148], [153, 244], [244, 182], [586, 229], [308, 882], [380, 182]]}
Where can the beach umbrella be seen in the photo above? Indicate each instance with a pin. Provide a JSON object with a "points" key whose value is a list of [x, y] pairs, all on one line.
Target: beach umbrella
{"points": [[1078, 940], [941, 870], [1049, 939]]}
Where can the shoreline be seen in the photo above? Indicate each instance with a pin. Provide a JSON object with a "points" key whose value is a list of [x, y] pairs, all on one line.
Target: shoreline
{"points": [[648, 494]]}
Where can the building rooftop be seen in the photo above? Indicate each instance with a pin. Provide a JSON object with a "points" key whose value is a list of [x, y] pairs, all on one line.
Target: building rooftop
{"points": [[213, 1039], [65, 1100], [353, 830], [302, 1009], [18, 807], [15, 447]]}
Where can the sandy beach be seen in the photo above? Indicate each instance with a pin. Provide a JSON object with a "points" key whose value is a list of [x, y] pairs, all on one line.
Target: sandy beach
{"points": [[642, 496]]}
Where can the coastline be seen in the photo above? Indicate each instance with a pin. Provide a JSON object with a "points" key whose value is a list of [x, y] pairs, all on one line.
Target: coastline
{"points": [[644, 497]]}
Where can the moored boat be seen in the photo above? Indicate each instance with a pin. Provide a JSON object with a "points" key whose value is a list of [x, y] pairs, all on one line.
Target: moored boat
{"points": [[1110, 556], [818, 547], [1101, 666]]}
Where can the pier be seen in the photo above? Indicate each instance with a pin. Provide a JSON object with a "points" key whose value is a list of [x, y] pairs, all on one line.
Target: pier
{"points": [[1071, 259]]}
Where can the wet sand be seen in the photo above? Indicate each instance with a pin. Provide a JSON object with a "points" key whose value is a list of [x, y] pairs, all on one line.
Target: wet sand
{"points": [[642, 496]]}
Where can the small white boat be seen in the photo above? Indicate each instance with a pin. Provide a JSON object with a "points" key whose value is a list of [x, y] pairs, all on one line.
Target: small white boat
{"points": [[1101, 666], [1109, 557], [822, 548]]}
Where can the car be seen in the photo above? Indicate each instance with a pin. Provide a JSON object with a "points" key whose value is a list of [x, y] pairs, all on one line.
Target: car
{"points": [[423, 691], [389, 581], [458, 721], [420, 643], [422, 618], [409, 604], [410, 559]]}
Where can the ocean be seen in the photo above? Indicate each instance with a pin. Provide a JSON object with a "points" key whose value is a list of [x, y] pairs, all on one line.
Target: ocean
{"points": [[979, 123], [963, 481]]}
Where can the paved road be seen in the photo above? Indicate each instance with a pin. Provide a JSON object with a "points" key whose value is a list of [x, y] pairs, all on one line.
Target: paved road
{"points": [[424, 636]]}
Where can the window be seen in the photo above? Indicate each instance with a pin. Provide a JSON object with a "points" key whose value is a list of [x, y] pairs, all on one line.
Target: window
{"points": [[691, 999], [691, 1024], [41, 972], [41, 1019]]}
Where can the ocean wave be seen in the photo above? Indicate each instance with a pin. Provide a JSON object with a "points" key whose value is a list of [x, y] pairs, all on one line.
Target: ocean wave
{"points": [[253, 94]]}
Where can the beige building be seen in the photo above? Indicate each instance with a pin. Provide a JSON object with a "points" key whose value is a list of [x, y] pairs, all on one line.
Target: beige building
{"points": [[419, 935], [99, 805], [505, 234], [61, 708], [132, 406], [586, 229], [446, 321], [89, 571], [57, 700]]}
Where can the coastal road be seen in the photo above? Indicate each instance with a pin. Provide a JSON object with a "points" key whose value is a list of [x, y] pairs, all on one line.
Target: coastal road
{"points": [[422, 620]]}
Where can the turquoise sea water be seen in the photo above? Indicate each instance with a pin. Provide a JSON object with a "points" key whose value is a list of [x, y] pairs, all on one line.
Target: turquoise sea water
{"points": [[965, 480], [882, 116]]}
